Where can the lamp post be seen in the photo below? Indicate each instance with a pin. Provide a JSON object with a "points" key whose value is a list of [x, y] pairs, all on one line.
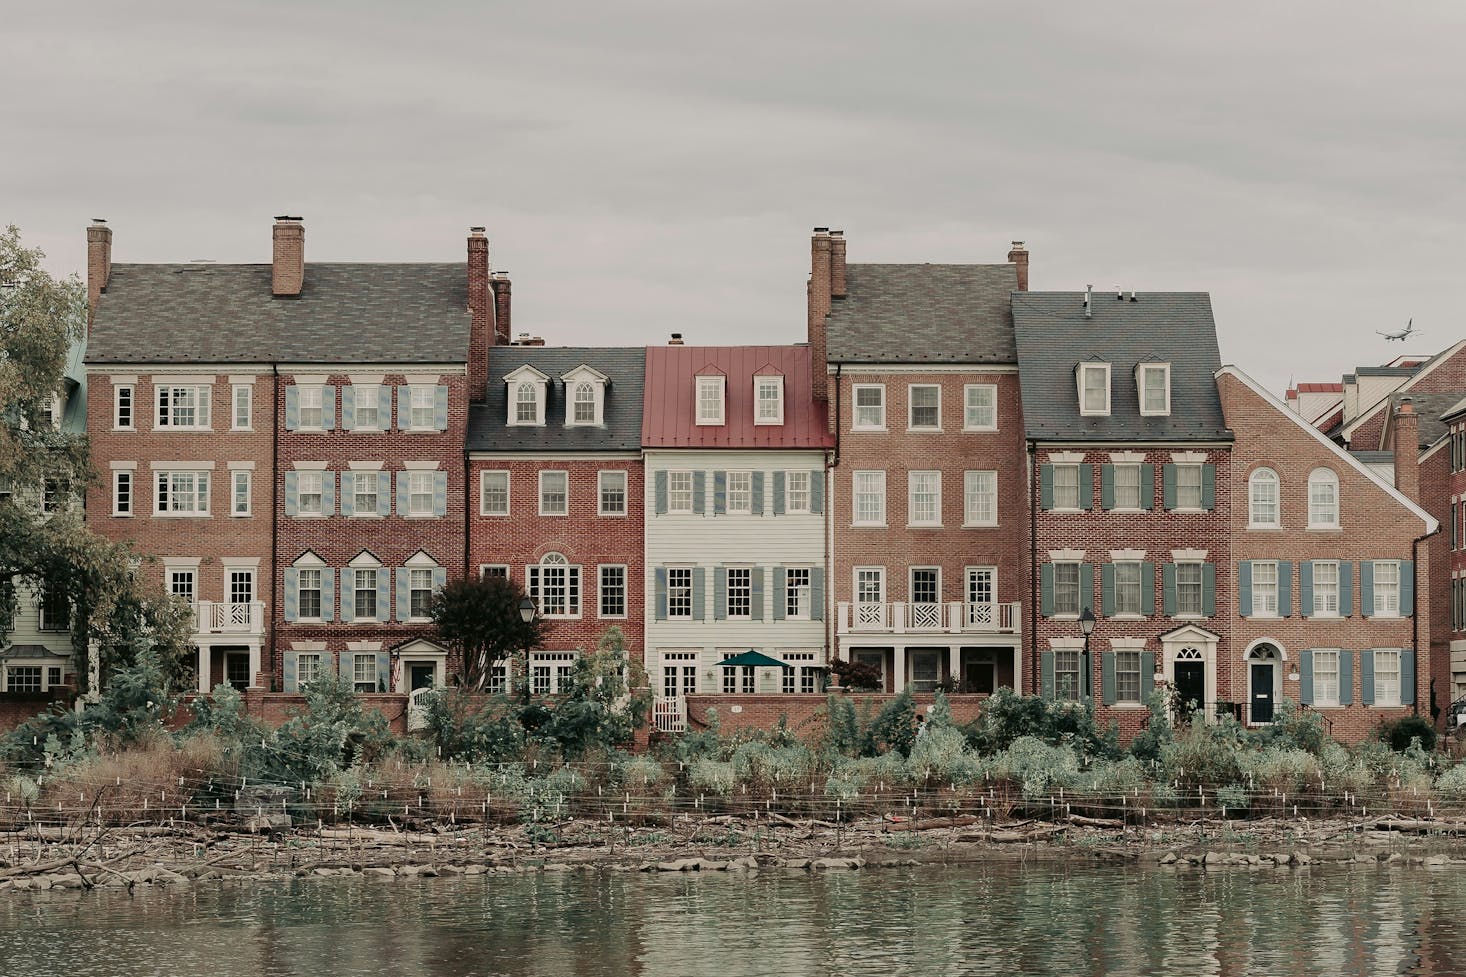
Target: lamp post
{"points": [[527, 612], [1086, 627]]}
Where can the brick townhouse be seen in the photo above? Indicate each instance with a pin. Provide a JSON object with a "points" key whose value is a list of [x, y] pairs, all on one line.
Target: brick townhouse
{"points": [[1443, 471], [927, 503], [556, 495], [1131, 500]]}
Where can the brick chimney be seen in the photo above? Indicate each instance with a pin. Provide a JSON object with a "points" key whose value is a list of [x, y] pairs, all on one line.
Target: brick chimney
{"points": [[1019, 256], [837, 264], [500, 284], [820, 272], [99, 264], [1407, 450], [481, 331], [288, 260]]}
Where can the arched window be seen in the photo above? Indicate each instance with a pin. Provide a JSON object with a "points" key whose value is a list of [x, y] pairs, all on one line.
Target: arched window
{"points": [[585, 403], [554, 586], [526, 403], [1323, 499], [1262, 494]]}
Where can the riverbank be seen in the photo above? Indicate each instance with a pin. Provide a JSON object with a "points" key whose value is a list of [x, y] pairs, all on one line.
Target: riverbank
{"points": [[181, 854]]}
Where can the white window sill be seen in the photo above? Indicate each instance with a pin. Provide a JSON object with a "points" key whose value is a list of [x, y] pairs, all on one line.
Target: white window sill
{"points": [[717, 423], [1325, 705], [613, 617], [119, 430], [182, 430], [1127, 616], [244, 430], [923, 430], [1128, 705], [1268, 528], [308, 430], [309, 515], [121, 515], [1325, 616], [365, 515], [611, 515], [554, 515], [1385, 705], [1094, 413], [1189, 617], [560, 617], [362, 430], [418, 620], [1130, 510], [1262, 616], [979, 525], [679, 512], [980, 430], [923, 525], [796, 512], [1064, 616], [179, 515], [867, 525], [493, 515], [1185, 510], [868, 430], [240, 515], [421, 515]]}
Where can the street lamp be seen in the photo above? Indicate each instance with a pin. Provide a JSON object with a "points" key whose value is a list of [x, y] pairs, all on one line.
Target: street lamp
{"points": [[527, 614], [1086, 627]]}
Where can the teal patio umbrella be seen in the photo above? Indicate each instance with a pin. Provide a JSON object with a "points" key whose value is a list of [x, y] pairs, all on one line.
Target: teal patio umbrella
{"points": [[754, 658]]}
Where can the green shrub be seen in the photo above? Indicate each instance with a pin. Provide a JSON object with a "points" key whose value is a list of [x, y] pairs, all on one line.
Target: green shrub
{"points": [[1233, 797], [1037, 767], [1452, 782], [940, 714], [843, 729], [942, 754], [1398, 733], [894, 728], [712, 776], [1008, 716]]}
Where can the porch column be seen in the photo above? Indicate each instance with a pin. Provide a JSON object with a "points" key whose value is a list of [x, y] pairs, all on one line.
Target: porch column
{"points": [[254, 667], [205, 653], [954, 666], [898, 680]]}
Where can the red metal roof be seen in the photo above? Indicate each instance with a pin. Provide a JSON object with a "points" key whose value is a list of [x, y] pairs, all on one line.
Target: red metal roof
{"points": [[1320, 388], [669, 408]]}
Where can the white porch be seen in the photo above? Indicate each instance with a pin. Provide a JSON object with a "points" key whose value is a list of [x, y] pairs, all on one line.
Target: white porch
{"points": [[228, 638], [922, 662], [951, 617]]}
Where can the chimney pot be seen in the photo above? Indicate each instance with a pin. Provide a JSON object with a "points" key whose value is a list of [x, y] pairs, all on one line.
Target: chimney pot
{"points": [[676, 339], [288, 257], [1407, 450], [1018, 256], [99, 263]]}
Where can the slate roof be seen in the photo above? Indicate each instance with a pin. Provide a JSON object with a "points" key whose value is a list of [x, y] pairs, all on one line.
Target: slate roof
{"points": [[1054, 337], [345, 313], [923, 314], [1432, 410], [625, 368]]}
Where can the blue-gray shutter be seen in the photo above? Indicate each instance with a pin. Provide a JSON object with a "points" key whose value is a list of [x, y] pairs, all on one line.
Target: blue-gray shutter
{"points": [[292, 593], [1209, 589], [1285, 588], [328, 493], [720, 593], [1346, 678], [440, 408], [659, 608], [384, 672], [404, 408], [1168, 486], [758, 493], [384, 493], [292, 496], [1407, 676], [1168, 589], [348, 408], [1046, 589], [328, 594], [699, 492], [344, 666], [404, 592], [328, 408], [1366, 598], [817, 491], [1107, 678], [440, 493], [1305, 677], [1208, 487], [404, 494], [384, 594], [778, 493], [659, 482], [1147, 486], [384, 408], [1407, 588], [1346, 588], [817, 593], [720, 493], [292, 407], [1147, 674], [1147, 589], [1366, 677], [1244, 588], [699, 593], [1086, 487], [1046, 489], [781, 587], [440, 580], [1107, 486], [348, 594], [1305, 588], [348, 491], [291, 660], [1046, 674], [757, 591], [1086, 587], [1107, 589]]}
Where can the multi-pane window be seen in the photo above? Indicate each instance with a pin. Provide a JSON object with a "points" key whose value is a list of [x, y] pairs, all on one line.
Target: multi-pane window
{"points": [[487, 570], [870, 585], [312, 406], [1066, 588], [23, 678], [740, 592], [241, 586], [803, 678], [420, 493], [1127, 486], [308, 594], [420, 593], [980, 499], [308, 667], [926, 407], [122, 406], [368, 408], [740, 493], [679, 592], [1127, 676], [526, 403], [55, 609], [585, 404], [1325, 677], [613, 591], [1387, 677], [1264, 588], [612, 485], [181, 584], [364, 493], [1066, 486], [1128, 588], [1155, 389], [364, 672], [239, 497], [769, 394], [1323, 499], [364, 600], [679, 492], [1066, 675], [1386, 588], [1188, 486], [870, 498], [308, 493], [796, 491], [242, 400], [738, 679], [925, 498], [1262, 497], [499, 680], [51, 495], [122, 493], [184, 407], [870, 407], [797, 593], [493, 494], [1325, 588], [1094, 386], [926, 584], [710, 400], [550, 671], [554, 586], [554, 493], [183, 493], [980, 407], [424, 401], [1188, 588], [981, 586]]}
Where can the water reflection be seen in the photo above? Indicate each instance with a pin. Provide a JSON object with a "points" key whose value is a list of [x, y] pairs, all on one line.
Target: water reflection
{"points": [[998, 919]]}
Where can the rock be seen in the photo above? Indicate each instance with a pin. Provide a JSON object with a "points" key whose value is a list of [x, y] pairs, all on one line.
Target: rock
{"points": [[1169, 858], [475, 869], [1213, 858], [746, 863], [796, 863], [325, 871], [408, 870], [556, 867], [1302, 858], [1438, 860], [450, 869], [428, 871], [834, 864], [380, 872], [67, 882], [268, 823]]}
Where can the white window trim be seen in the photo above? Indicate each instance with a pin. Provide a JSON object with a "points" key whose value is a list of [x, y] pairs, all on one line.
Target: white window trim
{"points": [[1319, 702], [625, 493], [234, 476], [808, 604], [1199, 466], [234, 391], [484, 568], [597, 380], [1277, 483], [358, 385], [413, 390], [966, 392], [728, 493], [541, 482], [1079, 383], [757, 403], [625, 591], [911, 407], [483, 480], [348, 484], [855, 519], [531, 570], [131, 389], [855, 424], [310, 561], [911, 499], [1277, 590], [419, 563], [206, 513], [512, 380], [1399, 677], [789, 509], [1398, 612], [117, 475], [1338, 566], [978, 523], [722, 385], [1338, 502], [1140, 371], [691, 492], [203, 393], [855, 573], [365, 561], [1078, 476], [320, 388]]}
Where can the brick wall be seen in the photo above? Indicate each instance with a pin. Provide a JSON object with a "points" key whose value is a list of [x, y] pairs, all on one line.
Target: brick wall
{"points": [[1437, 486], [1444, 377]]}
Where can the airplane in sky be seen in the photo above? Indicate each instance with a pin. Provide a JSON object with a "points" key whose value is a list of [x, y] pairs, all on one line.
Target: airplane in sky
{"points": [[1401, 336]]}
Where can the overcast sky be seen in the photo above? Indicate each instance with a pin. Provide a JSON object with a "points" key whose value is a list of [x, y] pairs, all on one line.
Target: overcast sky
{"points": [[650, 167]]}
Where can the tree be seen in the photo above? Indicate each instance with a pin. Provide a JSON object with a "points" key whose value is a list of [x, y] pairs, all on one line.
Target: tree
{"points": [[604, 702], [481, 617], [41, 317]]}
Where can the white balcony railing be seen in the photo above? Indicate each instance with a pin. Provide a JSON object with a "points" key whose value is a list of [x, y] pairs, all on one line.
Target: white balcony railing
{"points": [[215, 617], [669, 715], [951, 617]]}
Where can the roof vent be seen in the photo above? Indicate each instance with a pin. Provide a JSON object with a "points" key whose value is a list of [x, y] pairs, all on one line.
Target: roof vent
{"points": [[1132, 296], [676, 339], [1089, 301], [1119, 294]]}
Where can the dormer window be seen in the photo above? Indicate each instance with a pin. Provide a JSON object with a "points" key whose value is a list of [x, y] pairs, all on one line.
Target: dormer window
{"points": [[526, 389], [1153, 382], [585, 397], [768, 398], [1094, 389], [710, 391]]}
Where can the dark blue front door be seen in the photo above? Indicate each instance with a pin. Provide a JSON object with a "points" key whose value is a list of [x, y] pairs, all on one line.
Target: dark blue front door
{"points": [[1262, 693]]}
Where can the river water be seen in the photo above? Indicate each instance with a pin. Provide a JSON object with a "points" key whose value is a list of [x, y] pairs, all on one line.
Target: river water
{"points": [[1000, 919]]}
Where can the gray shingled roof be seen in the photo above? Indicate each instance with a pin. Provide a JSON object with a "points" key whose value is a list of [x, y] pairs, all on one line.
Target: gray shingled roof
{"points": [[923, 314], [1054, 337], [345, 313], [625, 366], [1432, 409]]}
